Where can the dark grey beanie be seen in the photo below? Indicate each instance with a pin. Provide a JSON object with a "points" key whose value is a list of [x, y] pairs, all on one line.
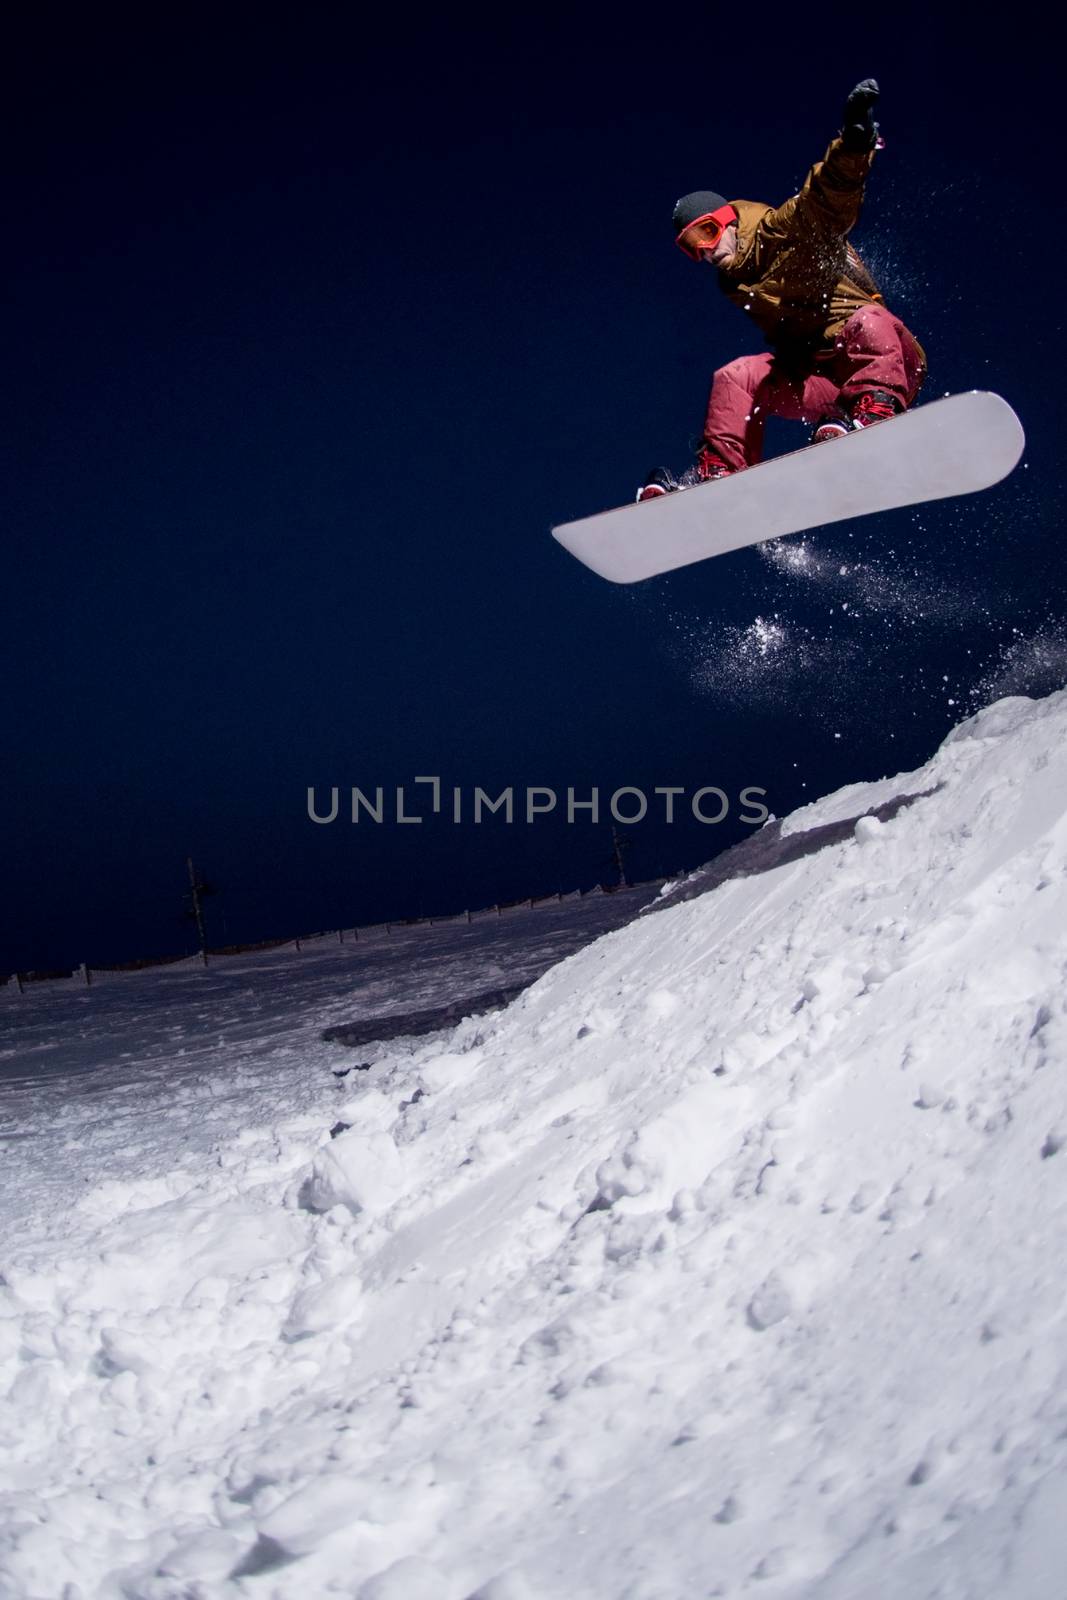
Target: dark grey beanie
{"points": [[692, 206]]}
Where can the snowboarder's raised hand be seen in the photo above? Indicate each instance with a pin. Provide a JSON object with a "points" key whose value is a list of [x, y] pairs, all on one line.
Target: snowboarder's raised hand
{"points": [[859, 131]]}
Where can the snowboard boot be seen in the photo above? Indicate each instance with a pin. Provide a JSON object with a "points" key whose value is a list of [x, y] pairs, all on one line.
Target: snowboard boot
{"points": [[709, 465], [830, 427], [873, 405], [661, 480]]}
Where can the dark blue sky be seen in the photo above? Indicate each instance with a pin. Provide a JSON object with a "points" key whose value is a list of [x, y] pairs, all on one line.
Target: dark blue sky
{"points": [[312, 334]]}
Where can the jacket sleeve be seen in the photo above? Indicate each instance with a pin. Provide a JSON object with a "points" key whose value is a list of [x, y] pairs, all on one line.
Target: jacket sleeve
{"points": [[830, 199]]}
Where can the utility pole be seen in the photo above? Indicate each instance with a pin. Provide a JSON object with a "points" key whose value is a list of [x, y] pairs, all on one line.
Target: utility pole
{"points": [[620, 842], [197, 889]]}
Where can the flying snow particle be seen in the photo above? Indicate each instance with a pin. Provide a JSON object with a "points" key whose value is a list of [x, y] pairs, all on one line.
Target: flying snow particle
{"points": [[1034, 664]]}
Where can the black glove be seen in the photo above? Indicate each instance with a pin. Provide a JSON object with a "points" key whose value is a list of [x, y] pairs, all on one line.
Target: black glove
{"points": [[859, 131]]}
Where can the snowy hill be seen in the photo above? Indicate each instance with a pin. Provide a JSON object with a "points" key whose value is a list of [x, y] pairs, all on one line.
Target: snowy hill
{"points": [[728, 1259]]}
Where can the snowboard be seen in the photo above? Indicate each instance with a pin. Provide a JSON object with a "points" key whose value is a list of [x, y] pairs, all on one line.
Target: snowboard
{"points": [[958, 445]]}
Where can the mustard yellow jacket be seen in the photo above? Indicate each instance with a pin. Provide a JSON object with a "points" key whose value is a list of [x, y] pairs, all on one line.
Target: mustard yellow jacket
{"points": [[795, 273]]}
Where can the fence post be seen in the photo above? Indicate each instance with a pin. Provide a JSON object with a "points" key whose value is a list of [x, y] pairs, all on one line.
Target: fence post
{"points": [[18, 982], [340, 936]]}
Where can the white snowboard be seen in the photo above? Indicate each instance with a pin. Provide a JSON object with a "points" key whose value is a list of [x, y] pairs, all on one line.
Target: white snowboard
{"points": [[953, 446]]}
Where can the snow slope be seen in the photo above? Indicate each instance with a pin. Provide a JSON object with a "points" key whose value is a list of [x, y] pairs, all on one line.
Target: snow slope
{"points": [[208, 1050], [727, 1260]]}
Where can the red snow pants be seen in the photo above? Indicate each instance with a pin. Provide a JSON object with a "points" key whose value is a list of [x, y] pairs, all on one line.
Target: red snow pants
{"points": [[874, 350]]}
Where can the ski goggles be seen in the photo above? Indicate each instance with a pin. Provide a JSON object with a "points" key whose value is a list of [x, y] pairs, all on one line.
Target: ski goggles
{"points": [[704, 233]]}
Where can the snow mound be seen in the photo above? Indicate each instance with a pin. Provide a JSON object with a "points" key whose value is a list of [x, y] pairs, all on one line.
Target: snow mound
{"points": [[725, 1260]]}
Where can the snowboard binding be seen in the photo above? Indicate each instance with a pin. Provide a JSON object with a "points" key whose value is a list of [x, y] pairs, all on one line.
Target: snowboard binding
{"points": [[661, 480]]}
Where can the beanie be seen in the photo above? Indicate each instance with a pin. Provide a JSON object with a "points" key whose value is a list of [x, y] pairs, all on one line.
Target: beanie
{"points": [[692, 206]]}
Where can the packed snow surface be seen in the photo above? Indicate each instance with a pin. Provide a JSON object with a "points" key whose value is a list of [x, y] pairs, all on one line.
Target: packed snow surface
{"points": [[728, 1260]]}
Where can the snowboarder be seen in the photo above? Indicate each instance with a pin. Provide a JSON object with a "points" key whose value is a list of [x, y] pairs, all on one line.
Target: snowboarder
{"points": [[838, 357]]}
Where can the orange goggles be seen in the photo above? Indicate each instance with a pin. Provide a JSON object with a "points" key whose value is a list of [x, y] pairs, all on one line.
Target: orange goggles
{"points": [[704, 233]]}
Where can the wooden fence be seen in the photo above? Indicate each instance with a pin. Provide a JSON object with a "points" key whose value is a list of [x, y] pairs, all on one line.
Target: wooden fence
{"points": [[84, 973]]}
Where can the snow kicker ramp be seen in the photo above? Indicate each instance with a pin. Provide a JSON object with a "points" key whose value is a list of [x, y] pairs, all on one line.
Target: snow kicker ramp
{"points": [[725, 1261]]}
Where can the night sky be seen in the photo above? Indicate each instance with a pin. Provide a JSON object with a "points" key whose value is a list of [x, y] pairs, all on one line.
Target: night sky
{"points": [[313, 331]]}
